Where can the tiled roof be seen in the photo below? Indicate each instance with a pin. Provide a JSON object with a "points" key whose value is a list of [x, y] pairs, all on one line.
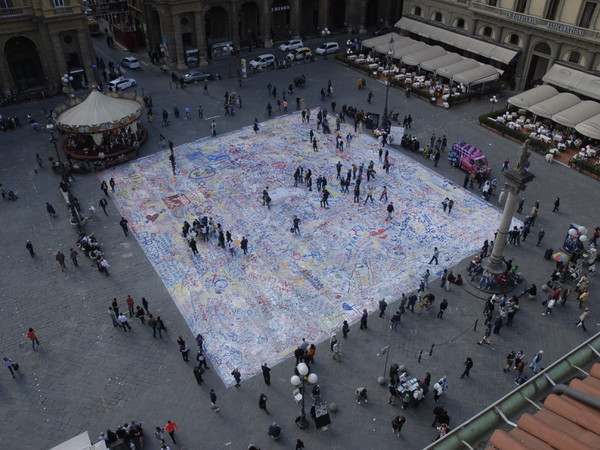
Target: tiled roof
{"points": [[562, 423]]}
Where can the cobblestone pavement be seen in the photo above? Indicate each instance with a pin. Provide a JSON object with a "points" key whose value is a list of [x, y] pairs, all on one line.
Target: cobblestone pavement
{"points": [[89, 375]]}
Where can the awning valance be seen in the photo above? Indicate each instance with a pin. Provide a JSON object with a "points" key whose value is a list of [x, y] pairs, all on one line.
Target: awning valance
{"points": [[414, 47], [441, 61], [456, 68], [477, 75], [458, 40], [554, 105], [532, 96], [378, 40], [577, 114], [590, 127], [574, 80], [397, 45], [414, 59]]}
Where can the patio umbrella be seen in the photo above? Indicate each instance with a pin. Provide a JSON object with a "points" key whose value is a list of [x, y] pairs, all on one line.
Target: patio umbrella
{"points": [[560, 257]]}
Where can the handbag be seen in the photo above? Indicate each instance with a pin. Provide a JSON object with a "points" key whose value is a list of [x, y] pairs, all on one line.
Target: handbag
{"points": [[16, 366]]}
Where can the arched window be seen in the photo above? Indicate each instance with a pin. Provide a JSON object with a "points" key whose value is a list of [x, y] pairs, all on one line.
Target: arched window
{"points": [[417, 11], [574, 57], [542, 47], [460, 23], [487, 31], [437, 17], [514, 39]]}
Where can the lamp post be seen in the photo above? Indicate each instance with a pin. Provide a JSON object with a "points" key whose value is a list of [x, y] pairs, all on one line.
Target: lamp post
{"points": [[300, 382], [493, 101], [53, 140], [67, 79], [325, 34], [390, 58]]}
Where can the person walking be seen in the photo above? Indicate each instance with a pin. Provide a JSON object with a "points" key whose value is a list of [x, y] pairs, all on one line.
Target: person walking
{"points": [[363, 319], [556, 205], [113, 316], [345, 329], [397, 424], [112, 184], [468, 366], [443, 307], [145, 305], [213, 128], [296, 225], [390, 211], [33, 338], [50, 210], [585, 315], [541, 235], [29, 247], [73, 255], [436, 254], [123, 222], [237, 376], [124, 323], [170, 428], [213, 401], [103, 204], [11, 366], [266, 371], [384, 194], [536, 361], [244, 245], [130, 303], [262, 403], [60, 257], [519, 367], [382, 306]]}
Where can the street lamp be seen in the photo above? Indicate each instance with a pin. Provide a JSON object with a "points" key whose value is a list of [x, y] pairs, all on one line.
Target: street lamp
{"points": [[493, 101], [300, 382], [390, 58], [67, 79], [53, 140]]}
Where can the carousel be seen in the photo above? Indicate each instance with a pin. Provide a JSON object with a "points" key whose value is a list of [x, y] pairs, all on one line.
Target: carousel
{"points": [[101, 129]]}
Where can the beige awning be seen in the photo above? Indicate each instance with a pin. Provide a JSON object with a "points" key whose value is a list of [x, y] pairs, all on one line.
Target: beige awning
{"points": [[574, 80], [378, 40], [555, 104], [414, 59], [532, 96], [477, 75], [414, 47], [590, 127], [577, 114], [456, 68], [458, 40], [98, 109], [441, 61]]}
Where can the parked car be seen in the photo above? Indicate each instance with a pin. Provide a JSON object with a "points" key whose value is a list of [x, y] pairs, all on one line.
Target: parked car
{"points": [[301, 53], [327, 47], [262, 61], [197, 77], [131, 62], [119, 84], [292, 44], [468, 158]]}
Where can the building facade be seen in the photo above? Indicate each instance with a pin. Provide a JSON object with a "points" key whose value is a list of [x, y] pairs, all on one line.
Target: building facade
{"points": [[174, 27], [42, 40], [546, 32]]}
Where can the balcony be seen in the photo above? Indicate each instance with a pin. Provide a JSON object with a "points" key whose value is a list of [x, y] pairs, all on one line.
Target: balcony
{"points": [[481, 7], [15, 12]]}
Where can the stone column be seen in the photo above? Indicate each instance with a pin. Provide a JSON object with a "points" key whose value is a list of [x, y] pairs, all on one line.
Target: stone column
{"points": [[295, 15], [594, 61], [323, 14], [178, 47], [362, 16], [517, 180], [200, 28], [59, 54], [86, 57], [521, 64], [266, 24], [234, 23], [500, 35]]}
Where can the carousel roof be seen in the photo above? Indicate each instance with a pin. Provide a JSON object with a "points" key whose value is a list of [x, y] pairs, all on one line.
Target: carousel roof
{"points": [[98, 113]]}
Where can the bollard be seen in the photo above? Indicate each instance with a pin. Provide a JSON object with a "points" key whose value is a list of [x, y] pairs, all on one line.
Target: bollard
{"points": [[431, 349], [475, 326], [420, 354]]}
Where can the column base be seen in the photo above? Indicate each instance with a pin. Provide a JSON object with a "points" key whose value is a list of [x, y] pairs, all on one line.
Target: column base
{"points": [[494, 265]]}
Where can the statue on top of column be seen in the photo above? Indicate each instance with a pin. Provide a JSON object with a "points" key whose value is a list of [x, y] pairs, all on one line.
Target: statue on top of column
{"points": [[524, 155]]}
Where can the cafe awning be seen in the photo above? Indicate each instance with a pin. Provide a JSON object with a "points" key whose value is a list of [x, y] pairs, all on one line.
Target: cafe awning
{"points": [[397, 45], [477, 75], [574, 115], [378, 40], [456, 68], [555, 104], [536, 95], [441, 61], [414, 59], [590, 127], [458, 40], [415, 47], [573, 80]]}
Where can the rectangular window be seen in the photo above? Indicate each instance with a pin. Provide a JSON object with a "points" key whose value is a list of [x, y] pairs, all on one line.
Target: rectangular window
{"points": [[520, 6], [552, 9], [588, 14], [492, 2], [57, 3]]}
